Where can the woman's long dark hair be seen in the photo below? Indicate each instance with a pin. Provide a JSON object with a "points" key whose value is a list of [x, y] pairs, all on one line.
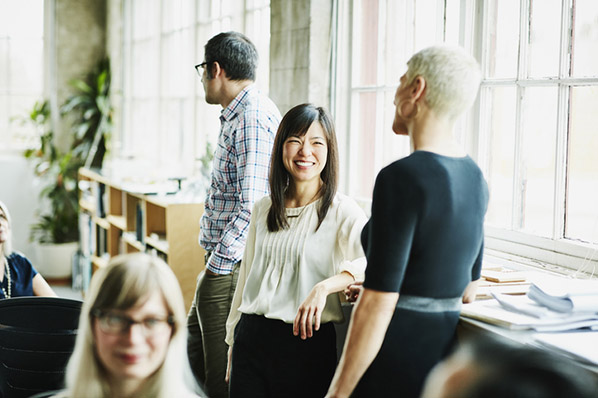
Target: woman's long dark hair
{"points": [[296, 122]]}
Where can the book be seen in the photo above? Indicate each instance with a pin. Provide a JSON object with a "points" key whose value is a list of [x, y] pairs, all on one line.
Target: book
{"points": [[493, 312], [566, 295], [503, 275]]}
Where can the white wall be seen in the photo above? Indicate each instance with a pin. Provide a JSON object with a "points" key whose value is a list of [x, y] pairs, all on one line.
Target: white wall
{"points": [[19, 191]]}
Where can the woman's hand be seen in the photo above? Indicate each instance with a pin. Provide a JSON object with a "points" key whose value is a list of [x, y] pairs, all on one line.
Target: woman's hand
{"points": [[353, 290], [228, 364], [310, 312], [470, 291]]}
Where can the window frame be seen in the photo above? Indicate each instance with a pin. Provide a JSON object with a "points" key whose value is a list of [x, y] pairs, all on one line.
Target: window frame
{"points": [[208, 17], [556, 253], [17, 132]]}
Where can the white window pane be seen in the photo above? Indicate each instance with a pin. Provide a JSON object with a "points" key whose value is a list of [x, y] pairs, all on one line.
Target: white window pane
{"points": [[428, 23], [397, 51], [203, 10], [582, 184], [453, 22], [22, 134], [365, 43], [4, 114], [178, 73], [172, 131], [363, 144], [585, 39], [23, 18], [501, 145], [26, 65], [145, 68], [4, 59], [144, 128], [544, 38], [145, 18], [177, 14], [207, 125], [503, 38], [537, 164]]}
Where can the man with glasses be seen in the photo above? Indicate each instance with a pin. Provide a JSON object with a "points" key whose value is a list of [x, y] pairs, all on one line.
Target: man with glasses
{"points": [[249, 121]]}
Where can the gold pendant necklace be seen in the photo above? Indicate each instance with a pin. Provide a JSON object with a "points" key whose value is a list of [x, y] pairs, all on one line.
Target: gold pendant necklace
{"points": [[7, 276], [303, 208]]}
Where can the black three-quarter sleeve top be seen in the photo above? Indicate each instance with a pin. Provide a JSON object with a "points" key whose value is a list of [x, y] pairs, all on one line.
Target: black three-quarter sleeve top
{"points": [[425, 235]]}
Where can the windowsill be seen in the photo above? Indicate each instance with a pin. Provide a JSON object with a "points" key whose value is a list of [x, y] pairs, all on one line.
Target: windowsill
{"points": [[532, 268], [519, 263]]}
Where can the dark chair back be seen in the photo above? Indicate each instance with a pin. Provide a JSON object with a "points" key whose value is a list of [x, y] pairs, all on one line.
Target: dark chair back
{"points": [[37, 337]]}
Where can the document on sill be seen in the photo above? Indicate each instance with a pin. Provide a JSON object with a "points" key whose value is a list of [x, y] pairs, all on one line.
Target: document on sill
{"points": [[566, 294], [522, 314], [581, 344]]}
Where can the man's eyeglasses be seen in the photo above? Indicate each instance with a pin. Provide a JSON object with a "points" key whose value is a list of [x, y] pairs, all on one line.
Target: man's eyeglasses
{"points": [[199, 68], [113, 323]]}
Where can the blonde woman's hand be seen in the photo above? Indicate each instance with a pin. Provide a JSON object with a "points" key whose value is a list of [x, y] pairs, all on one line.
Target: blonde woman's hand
{"points": [[353, 290], [309, 313]]}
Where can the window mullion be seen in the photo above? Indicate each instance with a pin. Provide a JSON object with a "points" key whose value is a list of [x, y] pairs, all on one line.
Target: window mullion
{"points": [[560, 191], [195, 138], [517, 216], [355, 34], [160, 100], [519, 178], [381, 78]]}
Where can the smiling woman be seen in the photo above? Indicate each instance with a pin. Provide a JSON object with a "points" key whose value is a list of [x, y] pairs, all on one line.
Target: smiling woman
{"points": [[302, 248]]}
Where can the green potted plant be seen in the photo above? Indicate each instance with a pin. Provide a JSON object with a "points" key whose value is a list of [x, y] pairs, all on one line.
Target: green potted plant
{"points": [[90, 106], [56, 231], [58, 227]]}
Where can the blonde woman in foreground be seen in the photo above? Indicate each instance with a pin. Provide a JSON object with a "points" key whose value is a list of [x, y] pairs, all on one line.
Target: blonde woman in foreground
{"points": [[132, 335]]}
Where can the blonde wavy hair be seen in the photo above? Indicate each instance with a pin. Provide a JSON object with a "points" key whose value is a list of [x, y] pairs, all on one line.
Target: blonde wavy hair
{"points": [[121, 285]]}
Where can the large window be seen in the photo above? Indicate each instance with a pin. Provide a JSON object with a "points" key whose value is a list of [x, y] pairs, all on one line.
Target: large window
{"points": [[21, 69], [537, 118], [166, 120], [531, 131]]}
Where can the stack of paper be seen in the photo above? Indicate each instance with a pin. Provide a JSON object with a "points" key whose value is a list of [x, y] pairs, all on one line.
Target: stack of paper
{"points": [[521, 313], [566, 295]]}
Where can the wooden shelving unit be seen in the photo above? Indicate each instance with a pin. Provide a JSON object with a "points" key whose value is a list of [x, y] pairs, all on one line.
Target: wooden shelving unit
{"points": [[117, 220]]}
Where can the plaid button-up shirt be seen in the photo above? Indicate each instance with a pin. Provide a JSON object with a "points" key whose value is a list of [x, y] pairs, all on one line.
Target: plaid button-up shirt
{"points": [[239, 177]]}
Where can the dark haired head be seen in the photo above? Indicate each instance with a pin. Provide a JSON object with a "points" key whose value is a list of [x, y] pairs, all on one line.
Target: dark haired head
{"points": [[296, 122], [490, 368], [235, 53]]}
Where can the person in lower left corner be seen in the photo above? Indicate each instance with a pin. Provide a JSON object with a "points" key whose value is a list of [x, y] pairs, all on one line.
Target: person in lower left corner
{"points": [[303, 247], [18, 277], [132, 335]]}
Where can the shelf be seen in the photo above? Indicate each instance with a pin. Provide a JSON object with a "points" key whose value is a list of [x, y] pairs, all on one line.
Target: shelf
{"points": [[159, 244], [132, 241], [87, 206], [118, 221], [102, 222], [99, 262]]}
